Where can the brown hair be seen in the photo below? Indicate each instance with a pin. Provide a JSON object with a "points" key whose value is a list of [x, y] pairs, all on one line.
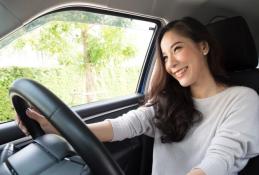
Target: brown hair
{"points": [[174, 108]]}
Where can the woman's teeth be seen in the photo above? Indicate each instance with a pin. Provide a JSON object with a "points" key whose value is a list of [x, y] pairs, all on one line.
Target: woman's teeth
{"points": [[180, 72]]}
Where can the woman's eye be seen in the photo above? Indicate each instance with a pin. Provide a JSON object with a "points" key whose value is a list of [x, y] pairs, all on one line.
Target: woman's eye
{"points": [[177, 48]]}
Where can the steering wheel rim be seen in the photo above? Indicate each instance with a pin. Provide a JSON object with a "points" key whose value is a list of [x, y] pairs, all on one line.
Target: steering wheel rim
{"points": [[68, 123]]}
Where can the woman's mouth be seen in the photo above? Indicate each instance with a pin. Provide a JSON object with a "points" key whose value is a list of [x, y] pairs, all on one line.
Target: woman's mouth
{"points": [[180, 73]]}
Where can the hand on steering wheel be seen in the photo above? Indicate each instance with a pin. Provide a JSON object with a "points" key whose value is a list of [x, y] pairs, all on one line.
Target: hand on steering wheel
{"points": [[45, 125]]}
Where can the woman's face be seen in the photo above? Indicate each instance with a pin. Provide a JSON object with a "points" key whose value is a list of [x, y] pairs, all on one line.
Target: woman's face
{"points": [[184, 59]]}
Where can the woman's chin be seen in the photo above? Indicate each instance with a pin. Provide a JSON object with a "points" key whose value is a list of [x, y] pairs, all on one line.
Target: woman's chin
{"points": [[184, 83]]}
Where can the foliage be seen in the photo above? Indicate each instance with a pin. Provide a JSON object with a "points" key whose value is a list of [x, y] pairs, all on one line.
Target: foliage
{"points": [[6, 78], [62, 87], [91, 53], [67, 86], [109, 45]]}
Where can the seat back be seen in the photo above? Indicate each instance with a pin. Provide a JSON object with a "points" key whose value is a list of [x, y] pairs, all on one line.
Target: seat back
{"points": [[240, 59]]}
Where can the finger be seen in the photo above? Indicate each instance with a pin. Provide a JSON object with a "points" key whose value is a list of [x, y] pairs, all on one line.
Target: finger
{"points": [[34, 115], [44, 123], [34, 109]]}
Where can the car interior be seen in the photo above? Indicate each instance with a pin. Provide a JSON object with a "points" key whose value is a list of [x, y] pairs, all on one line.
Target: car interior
{"points": [[240, 59], [234, 24]]}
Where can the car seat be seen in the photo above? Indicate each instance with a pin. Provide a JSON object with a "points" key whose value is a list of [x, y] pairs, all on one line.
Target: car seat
{"points": [[240, 60]]}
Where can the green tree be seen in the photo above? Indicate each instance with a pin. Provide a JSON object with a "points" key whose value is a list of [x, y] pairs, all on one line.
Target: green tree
{"points": [[62, 37]]}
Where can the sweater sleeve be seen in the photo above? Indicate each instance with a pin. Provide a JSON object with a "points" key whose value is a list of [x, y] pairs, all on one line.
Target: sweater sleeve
{"points": [[236, 139], [133, 123]]}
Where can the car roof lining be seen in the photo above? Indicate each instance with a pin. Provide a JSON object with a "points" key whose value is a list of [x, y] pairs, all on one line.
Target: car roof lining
{"points": [[13, 15]]}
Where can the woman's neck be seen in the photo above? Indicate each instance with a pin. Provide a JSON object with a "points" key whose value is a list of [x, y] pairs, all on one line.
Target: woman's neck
{"points": [[207, 88]]}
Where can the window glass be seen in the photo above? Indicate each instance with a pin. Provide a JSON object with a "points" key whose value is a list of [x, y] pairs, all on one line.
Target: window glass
{"points": [[81, 56]]}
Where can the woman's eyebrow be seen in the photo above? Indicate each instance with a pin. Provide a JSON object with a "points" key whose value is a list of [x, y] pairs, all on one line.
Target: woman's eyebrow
{"points": [[178, 42]]}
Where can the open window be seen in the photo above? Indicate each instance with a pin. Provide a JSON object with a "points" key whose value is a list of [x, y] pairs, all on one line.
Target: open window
{"points": [[82, 55]]}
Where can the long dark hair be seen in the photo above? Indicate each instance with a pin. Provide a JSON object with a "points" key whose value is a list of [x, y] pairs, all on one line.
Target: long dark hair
{"points": [[175, 112]]}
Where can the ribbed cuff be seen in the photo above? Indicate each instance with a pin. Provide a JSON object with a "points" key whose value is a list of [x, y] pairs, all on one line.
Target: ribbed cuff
{"points": [[117, 134], [213, 166]]}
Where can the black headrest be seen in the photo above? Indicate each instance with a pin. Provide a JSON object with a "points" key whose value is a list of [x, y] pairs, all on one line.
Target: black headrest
{"points": [[239, 51]]}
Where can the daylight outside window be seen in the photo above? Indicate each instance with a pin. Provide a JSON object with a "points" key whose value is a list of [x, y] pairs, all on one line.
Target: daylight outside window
{"points": [[81, 56]]}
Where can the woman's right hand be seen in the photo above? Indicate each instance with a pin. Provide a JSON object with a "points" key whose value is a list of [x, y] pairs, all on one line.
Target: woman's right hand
{"points": [[102, 130], [46, 126]]}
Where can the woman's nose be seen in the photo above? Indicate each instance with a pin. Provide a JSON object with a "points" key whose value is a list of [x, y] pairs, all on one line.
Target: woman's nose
{"points": [[172, 62]]}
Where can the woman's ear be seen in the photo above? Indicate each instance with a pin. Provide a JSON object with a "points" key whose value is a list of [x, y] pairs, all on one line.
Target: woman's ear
{"points": [[204, 47]]}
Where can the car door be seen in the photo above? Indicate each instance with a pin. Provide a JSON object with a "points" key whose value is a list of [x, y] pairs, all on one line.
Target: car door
{"points": [[97, 60]]}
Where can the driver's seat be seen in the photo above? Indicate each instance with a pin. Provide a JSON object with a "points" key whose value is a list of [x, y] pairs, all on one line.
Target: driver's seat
{"points": [[240, 60]]}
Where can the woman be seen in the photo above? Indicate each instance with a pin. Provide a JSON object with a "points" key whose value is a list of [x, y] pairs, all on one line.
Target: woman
{"points": [[200, 124]]}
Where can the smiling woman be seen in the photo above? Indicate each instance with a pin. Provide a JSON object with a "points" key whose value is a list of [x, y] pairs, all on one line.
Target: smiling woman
{"points": [[86, 54], [99, 56], [177, 118]]}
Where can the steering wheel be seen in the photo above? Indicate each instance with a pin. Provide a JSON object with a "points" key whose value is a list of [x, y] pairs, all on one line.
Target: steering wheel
{"points": [[25, 93]]}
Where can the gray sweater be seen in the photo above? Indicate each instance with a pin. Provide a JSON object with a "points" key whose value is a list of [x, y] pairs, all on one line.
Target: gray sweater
{"points": [[220, 144]]}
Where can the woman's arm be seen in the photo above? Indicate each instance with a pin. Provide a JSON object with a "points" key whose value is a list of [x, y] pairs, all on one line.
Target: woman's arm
{"points": [[131, 124], [102, 130]]}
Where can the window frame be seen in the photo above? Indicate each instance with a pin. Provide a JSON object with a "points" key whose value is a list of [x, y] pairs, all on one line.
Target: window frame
{"points": [[97, 111], [146, 68], [144, 76]]}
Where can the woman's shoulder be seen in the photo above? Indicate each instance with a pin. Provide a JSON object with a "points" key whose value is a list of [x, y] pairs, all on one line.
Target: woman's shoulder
{"points": [[241, 95], [230, 94], [241, 91], [147, 108]]}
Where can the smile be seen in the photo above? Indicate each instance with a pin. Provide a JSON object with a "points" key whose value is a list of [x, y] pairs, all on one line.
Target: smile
{"points": [[180, 73]]}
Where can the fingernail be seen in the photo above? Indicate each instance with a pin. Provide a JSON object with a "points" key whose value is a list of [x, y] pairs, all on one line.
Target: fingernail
{"points": [[28, 111]]}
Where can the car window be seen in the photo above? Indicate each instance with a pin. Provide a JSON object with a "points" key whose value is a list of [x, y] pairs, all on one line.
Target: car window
{"points": [[81, 56]]}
